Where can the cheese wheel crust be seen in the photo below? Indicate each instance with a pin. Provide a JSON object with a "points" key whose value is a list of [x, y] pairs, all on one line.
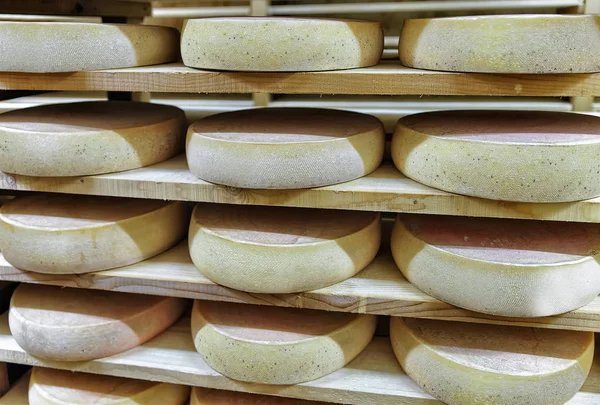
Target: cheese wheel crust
{"points": [[472, 364], [270, 345], [206, 396], [65, 324], [503, 44], [280, 44], [525, 156], [40, 47], [80, 139], [281, 250], [71, 234]]}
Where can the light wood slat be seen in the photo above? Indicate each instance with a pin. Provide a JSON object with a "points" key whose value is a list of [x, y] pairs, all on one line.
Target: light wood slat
{"points": [[379, 289], [386, 189], [385, 79]]}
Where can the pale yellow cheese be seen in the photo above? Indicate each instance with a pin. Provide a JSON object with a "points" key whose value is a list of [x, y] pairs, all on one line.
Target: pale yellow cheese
{"points": [[68, 47], [61, 387], [70, 234], [67, 324], [279, 44], [475, 364], [272, 345], [205, 396], [526, 156], [503, 43], [281, 250], [79, 139], [284, 147]]}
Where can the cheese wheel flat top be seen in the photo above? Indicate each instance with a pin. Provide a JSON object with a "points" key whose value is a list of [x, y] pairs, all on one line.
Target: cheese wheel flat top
{"points": [[205, 396]]}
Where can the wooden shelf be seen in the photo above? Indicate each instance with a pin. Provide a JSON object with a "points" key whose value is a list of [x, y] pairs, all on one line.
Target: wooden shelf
{"points": [[379, 289], [384, 79]]}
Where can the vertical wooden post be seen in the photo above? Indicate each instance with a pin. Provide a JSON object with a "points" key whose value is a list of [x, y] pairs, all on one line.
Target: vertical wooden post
{"points": [[586, 103], [260, 8]]}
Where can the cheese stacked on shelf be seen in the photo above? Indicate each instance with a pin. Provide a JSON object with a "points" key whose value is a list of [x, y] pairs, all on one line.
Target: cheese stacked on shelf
{"points": [[204, 396]]}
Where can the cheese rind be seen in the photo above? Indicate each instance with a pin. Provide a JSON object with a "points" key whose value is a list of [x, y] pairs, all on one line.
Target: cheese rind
{"points": [[503, 44], [472, 364], [271, 345], [205, 396], [279, 44]]}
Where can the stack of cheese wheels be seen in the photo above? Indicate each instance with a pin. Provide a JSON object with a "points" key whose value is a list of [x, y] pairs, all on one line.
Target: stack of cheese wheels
{"points": [[506, 267], [520, 156], [68, 234], [66, 324], [60, 387], [78, 139], [204, 396], [271, 345], [284, 147], [503, 44], [68, 47], [279, 44], [281, 250], [472, 364]]}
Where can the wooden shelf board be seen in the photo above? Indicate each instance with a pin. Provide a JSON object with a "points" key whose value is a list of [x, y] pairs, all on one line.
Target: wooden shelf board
{"points": [[388, 78], [379, 289]]}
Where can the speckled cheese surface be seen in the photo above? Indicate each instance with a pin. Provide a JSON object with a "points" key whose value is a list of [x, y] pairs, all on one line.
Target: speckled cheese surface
{"points": [[280, 44], [70, 234], [68, 324], [517, 268], [79, 139], [473, 364], [281, 250], [62, 387], [69, 47], [284, 147], [206, 396], [503, 44], [525, 156], [271, 345]]}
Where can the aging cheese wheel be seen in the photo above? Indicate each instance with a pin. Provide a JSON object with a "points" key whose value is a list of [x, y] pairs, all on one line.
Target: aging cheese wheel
{"points": [[79, 139], [473, 364], [68, 324], [506, 267], [68, 47], [61, 387], [279, 44], [271, 345], [205, 396], [503, 155], [281, 250], [503, 44], [70, 234], [284, 147]]}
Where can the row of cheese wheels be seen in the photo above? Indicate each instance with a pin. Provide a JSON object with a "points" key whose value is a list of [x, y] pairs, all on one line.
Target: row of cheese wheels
{"points": [[473, 363], [503, 267]]}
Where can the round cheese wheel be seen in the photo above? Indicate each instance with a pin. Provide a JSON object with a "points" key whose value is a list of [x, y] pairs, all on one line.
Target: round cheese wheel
{"points": [[281, 250], [503, 44], [272, 345], [79, 139], [280, 44], [68, 47], [205, 396], [284, 147], [521, 156], [69, 324], [72, 234], [506, 267], [473, 364], [62, 387]]}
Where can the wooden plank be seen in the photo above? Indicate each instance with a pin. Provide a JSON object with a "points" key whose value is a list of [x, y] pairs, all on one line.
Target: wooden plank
{"points": [[115, 8], [18, 394]]}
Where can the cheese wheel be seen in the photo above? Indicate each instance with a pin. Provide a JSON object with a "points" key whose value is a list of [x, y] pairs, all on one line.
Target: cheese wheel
{"points": [[521, 156], [506, 267], [281, 250], [205, 396], [68, 47], [272, 345], [79, 139], [280, 44], [284, 147], [68, 324], [70, 234], [503, 44], [473, 364], [62, 387]]}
